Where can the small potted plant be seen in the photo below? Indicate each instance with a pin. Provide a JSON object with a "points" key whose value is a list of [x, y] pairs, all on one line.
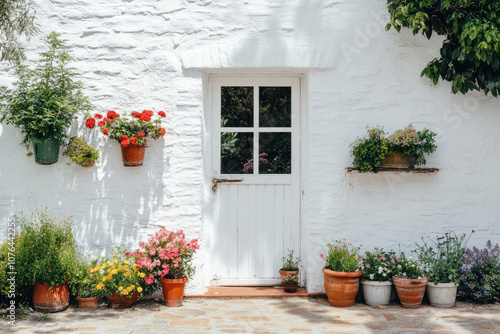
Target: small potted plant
{"points": [[341, 273], [370, 151], [81, 152], [290, 283], [45, 101], [119, 279], [410, 281], [130, 131], [166, 258], [290, 265], [47, 250], [83, 284], [376, 281], [442, 261]]}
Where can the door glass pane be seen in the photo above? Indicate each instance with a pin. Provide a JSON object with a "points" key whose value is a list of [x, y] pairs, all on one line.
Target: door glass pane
{"points": [[236, 106], [275, 106], [275, 155], [236, 152]]}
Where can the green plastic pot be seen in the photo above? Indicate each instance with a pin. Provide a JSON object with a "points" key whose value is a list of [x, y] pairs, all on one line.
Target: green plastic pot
{"points": [[46, 151]]}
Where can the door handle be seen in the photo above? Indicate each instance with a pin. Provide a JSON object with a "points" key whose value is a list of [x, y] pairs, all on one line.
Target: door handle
{"points": [[216, 181]]}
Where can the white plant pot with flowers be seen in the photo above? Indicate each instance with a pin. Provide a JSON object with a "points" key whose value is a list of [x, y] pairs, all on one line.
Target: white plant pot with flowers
{"points": [[376, 281]]}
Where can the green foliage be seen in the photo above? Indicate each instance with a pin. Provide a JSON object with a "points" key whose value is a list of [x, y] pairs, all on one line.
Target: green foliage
{"points": [[369, 152], [442, 263], [377, 265], [470, 55], [81, 152], [83, 284], [342, 257], [406, 268], [16, 19], [289, 263], [46, 98]]}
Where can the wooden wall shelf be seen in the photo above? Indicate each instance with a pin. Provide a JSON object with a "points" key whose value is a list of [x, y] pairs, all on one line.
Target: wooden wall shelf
{"points": [[398, 170]]}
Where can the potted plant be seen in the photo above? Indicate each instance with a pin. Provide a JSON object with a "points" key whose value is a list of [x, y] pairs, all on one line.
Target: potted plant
{"points": [[47, 251], [83, 284], [405, 148], [341, 273], [410, 281], [442, 261], [131, 132], [45, 101], [376, 282], [81, 152], [166, 258], [290, 265], [290, 283], [119, 279]]}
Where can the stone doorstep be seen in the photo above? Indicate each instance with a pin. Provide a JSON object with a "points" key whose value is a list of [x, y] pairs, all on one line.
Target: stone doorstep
{"points": [[253, 292]]}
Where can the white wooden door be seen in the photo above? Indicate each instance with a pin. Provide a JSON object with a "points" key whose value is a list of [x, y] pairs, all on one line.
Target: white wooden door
{"points": [[256, 175]]}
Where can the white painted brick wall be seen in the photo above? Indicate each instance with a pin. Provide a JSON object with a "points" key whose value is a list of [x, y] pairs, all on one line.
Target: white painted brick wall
{"points": [[135, 55]]}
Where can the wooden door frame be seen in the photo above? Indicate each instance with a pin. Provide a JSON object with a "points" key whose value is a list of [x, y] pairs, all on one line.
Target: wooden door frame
{"points": [[207, 142]]}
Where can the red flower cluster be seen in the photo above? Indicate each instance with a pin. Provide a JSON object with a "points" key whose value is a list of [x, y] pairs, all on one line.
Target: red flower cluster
{"points": [[90, 123], [162, 131], [146, 115], [112, 114], [124, 141], [162, 114], [141, 134], [105, 132], [98, 116]]}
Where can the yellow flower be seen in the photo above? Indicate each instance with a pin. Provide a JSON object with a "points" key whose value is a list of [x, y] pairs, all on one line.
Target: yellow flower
{"points": [[109, 277], [139, 289], [120, 288], [114, 271], [120, 267], [134, 266], [124, 249], [125, 292], [103, 265], [104, 278], [125, 267], [100, 286], [142, 275], [127, 274], [131, 288], [126, 261]]}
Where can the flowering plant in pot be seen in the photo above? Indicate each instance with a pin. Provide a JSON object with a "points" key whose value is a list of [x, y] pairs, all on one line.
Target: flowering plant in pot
{"points": [[290, 265], [409, 280], [166, 258], [290, 283], [130, 131], [376, 282], [83, 284], [341, 273], [119, 279], [45, 101], [81, 152], [441, 262], [480, 275]]}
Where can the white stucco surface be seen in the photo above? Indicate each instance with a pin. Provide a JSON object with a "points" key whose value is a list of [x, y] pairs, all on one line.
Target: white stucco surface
{"points": [[136, 55]]}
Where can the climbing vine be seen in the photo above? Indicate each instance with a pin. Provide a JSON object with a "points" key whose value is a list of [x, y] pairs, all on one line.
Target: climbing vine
{"points": [[470, 55]]}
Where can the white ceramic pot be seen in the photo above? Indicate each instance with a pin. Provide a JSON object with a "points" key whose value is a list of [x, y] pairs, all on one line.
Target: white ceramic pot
{"points": [[442, 294], [376, 292]]}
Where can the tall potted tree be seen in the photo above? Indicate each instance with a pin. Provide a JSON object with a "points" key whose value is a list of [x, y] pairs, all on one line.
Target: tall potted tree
{"points": [[45, 101]]}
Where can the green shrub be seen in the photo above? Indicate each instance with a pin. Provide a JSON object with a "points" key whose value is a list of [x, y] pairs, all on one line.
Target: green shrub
{"points": [[81, 152]]}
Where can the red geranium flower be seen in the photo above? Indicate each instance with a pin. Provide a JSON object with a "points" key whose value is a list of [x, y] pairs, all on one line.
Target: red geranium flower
{"points": [[101, 123], [98, 116], [133, 140], [162, 131], [112, 114], [162, 114], [125, 142], [124, 137], [90, 123], [105, 132], [141, 134]]}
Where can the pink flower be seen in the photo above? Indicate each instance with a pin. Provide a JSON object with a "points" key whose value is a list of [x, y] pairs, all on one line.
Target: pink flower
{"points": [[383, 258], [413, 266], [150, 279], [367, 266]]}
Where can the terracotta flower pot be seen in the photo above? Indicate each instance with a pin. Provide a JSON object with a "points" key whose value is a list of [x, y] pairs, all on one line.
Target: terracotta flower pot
{"points": [[133, 155], [123, 301], [341, 287], [88, 164], [50, 300], [173, 291], [284, 273], [90, 303], [410, 291], [289, 288], [394, 160]]}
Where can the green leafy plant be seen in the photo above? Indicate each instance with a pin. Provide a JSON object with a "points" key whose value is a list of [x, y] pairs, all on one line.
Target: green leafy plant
{"points": [[289, 263], [47, 98], [83, 284], [370, 151], [342, 257], [377, 265], [470, 55], [443, 258], [407, 268], [81, 152], [409, 142], [290, 280]]}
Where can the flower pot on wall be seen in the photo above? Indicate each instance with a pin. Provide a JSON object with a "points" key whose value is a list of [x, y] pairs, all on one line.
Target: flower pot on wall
{"points": [[376, 292], [410, 291], [442, 294], [50, 300], [394, 160], [173, 291], [133, 155], [46, 151], [123, 301], [341, 287]]}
